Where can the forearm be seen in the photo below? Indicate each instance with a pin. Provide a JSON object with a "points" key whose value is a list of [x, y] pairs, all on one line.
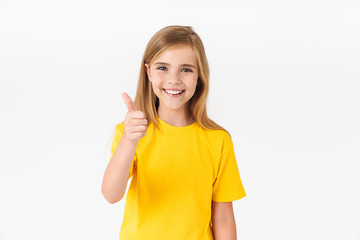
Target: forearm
{"points": [[116, 174], [225, 230]]}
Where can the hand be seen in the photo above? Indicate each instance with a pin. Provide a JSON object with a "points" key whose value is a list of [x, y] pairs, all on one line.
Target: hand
{"points": [[135, 121]]}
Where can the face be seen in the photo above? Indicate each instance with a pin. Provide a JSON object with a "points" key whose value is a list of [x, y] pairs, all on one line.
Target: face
{"points": [[173, 76]]}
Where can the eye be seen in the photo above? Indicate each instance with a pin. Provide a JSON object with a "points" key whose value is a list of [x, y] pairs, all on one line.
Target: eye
{"points": [[162, 68], [187, 70]]}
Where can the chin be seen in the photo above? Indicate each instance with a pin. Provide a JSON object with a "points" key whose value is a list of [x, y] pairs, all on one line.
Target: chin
{"points": [[173, 107]]}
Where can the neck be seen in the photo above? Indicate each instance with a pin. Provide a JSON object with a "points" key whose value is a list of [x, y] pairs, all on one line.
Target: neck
{"points": [[177, 118]]}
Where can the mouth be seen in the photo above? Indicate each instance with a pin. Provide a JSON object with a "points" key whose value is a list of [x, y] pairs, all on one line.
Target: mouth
{"points": [[173, 92]]}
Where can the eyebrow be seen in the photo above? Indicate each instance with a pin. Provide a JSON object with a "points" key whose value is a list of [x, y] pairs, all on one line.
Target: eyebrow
{"points": [[167, 64]]}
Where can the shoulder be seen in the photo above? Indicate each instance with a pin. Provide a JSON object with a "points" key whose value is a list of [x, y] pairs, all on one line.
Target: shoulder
{"points": [[120, 128], [120, 125], [218, 138], [219, 134]]}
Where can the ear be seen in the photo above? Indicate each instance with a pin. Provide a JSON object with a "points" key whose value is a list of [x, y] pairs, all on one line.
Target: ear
{"points": [[147, 70]]}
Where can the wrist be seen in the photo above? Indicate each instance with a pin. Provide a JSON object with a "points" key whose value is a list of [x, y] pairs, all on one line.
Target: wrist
{"points": [[128, 141]]}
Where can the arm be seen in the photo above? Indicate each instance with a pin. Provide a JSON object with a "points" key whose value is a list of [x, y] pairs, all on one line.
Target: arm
{"points": [[117, 172], [223, 220]]}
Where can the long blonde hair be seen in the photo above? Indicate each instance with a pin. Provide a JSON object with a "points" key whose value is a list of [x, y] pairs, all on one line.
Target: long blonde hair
{"points": [[146, 100]]}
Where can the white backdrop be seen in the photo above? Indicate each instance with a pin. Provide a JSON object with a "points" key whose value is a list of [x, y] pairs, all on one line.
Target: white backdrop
{"points": [[284, 82]]}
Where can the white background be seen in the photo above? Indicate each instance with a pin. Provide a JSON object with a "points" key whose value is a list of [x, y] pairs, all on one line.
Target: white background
{"points": [[284, 82]]}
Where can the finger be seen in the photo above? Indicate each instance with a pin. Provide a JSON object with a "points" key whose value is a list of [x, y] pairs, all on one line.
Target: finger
{"points": [[139, 121], [135, 129], [128, 102], [136, 114]]}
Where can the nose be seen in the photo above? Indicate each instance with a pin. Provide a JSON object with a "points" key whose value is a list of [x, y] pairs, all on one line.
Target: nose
{"points": [[174, 78]]}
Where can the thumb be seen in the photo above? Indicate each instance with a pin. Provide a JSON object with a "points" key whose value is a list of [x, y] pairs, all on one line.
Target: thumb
{"points": [[128, 102]]}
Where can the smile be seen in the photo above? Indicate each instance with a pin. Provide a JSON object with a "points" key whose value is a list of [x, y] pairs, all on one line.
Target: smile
{"points": [[174, 93]]}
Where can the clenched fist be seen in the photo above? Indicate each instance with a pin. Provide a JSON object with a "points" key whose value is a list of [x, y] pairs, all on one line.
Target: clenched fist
{"points": [[135, 121]]}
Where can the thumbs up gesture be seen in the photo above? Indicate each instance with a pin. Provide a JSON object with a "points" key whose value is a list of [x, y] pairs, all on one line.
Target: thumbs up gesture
{"points": [[135, 121]]}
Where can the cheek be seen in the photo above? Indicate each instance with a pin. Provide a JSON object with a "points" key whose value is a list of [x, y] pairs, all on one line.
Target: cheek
{"points": [[157, 78], [192, 81], [157, 87]]}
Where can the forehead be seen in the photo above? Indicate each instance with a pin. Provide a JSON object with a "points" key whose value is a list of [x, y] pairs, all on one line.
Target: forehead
{"points": [[183, 54]]}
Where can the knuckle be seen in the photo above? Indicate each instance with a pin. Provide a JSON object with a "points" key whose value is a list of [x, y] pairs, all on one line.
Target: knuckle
{"points": [[140, 128]]}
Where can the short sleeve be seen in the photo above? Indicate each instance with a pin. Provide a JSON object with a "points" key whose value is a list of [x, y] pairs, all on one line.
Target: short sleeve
{"points": [[118, 134], [228, 186]]}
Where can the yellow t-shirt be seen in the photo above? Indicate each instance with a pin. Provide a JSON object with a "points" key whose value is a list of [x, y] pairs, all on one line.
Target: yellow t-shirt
{"points": [[176, 173]]}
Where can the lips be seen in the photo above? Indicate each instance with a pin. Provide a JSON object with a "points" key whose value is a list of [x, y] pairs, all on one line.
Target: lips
{"points": [[173, 92]]}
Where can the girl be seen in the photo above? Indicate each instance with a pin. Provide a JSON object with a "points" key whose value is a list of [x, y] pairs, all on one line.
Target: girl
{"points": [[183, 167]]}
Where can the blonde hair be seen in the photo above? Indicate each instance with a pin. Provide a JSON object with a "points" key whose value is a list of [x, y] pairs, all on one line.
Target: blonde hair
{"points": [[146, 100]]}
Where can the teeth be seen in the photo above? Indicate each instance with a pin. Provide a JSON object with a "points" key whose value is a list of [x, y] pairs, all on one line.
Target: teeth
{"points": [[172, 92]]}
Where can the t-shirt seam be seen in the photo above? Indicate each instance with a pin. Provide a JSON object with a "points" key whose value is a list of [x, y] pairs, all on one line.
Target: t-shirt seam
{"points": [[232, 196]]}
